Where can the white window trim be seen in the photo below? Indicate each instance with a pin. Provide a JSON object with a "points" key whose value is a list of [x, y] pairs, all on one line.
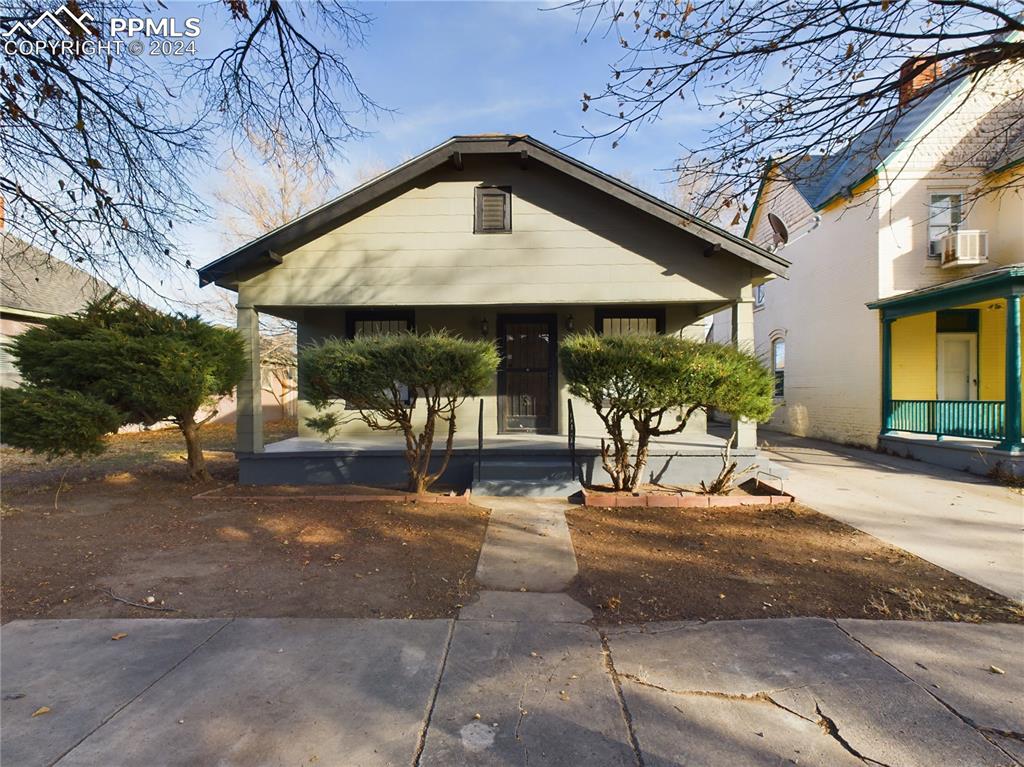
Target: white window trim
{"points": [[936, 261], [774, 337], [760, 297]]}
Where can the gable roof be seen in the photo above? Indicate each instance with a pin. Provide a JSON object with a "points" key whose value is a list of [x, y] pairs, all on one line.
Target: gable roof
{"points": [[269, 248], [821, 179], [837, 175], [35, 283]]}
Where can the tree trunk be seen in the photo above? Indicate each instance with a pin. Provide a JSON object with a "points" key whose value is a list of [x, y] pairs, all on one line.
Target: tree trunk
{"points": [[421, 476], [643, 445], [197, 471], [449, 444]]}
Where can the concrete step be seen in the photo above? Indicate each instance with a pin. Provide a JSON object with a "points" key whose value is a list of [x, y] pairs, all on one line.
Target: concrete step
{"points": [[531, 470], [536, 488]]}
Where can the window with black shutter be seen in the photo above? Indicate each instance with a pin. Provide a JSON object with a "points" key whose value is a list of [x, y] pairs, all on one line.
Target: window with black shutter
{"points": [[359, 324], [493, 209]]}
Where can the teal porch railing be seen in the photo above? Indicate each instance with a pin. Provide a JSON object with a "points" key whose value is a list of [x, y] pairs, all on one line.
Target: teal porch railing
{"points": [[978, 419]]}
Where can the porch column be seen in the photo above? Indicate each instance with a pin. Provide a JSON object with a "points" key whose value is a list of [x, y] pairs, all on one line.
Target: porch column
{"points": [[249, 414], [743, 339], [1013, 443], [886, 372]]}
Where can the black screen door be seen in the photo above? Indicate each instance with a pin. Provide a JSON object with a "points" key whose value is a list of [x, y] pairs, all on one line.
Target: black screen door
{"points": [[527, 376]]}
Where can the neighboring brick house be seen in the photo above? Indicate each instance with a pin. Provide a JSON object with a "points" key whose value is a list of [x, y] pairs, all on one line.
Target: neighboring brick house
{"points": [[929, 231], [34, 286]]}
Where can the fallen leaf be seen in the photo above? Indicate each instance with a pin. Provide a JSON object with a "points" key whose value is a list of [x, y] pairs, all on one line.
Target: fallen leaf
{"points": [[41, 710], [119, 635]]}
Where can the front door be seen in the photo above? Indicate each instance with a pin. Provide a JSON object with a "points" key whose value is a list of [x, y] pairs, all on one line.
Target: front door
{"points": [[527, 375], [958, 366]]}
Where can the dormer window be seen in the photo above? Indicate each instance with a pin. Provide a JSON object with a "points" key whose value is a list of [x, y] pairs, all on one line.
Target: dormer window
{"points": [[493, 209]]}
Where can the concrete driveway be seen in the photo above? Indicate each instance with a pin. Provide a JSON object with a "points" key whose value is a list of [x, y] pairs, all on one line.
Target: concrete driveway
{"points": [[958, 521], [500, 692]]}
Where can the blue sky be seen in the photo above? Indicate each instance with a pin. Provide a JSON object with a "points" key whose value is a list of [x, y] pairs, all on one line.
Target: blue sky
{"points": [[446, 68]]}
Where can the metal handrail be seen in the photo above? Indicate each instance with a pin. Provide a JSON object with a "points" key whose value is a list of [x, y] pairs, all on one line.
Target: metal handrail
{"points": [[572, 440], [480, 443]]}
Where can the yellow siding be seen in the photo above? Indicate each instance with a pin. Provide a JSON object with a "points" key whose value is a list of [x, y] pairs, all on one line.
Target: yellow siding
{"points": [[914, 345], [913, 357], [991, 349]]}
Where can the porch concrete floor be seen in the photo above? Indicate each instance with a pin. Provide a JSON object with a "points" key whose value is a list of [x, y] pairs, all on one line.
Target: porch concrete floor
{"points": [[468, 441], [956, 520]]}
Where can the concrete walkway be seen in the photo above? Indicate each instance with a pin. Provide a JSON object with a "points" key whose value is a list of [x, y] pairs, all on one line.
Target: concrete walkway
{"points": [[527, 546], [958, 521], [526, 561], [485, 692]]}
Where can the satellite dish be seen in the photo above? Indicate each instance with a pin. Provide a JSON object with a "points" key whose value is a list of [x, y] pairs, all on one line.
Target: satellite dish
{"points": [[779, 227]]}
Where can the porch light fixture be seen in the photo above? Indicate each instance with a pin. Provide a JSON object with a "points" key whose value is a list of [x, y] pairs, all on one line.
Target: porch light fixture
{"points": [[484, 328], [569, 324]]}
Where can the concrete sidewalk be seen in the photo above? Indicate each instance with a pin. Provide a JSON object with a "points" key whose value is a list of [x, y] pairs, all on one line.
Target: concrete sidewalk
{"points": [[484, 692], [958, 521]]}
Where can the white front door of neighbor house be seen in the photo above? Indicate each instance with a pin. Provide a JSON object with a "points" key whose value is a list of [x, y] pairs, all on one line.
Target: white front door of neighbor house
{"points": [[958, 366]]}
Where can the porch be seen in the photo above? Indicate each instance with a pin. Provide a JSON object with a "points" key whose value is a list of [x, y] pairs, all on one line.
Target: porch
{"points": [[525, 426], [540, 464], [951, 372]]}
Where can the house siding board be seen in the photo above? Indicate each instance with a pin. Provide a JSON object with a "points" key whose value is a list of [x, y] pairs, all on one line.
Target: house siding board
{"points": [[992, 350], [780, 197], [570, 244], [833, 371], [914, 348]]}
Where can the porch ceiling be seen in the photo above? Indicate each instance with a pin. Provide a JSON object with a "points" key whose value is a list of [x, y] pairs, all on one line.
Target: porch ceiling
{"points": [[999, 283]]}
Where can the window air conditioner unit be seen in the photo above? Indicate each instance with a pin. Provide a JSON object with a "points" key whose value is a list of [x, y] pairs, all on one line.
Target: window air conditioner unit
{"points": [[966, 247]]}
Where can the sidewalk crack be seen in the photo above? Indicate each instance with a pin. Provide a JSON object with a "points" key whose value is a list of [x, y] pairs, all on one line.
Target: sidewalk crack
{"points": [[142, 692], [627, 717], [984, 732], [421, 741], [832, 730], [826, 723]]}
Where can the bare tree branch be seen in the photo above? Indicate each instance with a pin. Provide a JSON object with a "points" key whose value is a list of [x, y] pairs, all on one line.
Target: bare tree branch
{"points": [[100, 152], [794, 79]]}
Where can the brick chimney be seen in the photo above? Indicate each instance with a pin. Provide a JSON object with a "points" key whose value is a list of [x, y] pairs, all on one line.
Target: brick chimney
{"points": [[915, 75]]}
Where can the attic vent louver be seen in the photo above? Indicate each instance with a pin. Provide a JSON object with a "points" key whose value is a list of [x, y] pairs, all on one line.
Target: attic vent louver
{"points": [[493, 209]]}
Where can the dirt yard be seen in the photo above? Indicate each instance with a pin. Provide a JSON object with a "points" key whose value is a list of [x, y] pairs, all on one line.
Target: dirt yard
{"points": [[639, 564], [126, 525]]}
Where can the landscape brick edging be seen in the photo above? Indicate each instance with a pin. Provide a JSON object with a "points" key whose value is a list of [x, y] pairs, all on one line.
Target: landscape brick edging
{"points": [[607, 500], [463, 499]]}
